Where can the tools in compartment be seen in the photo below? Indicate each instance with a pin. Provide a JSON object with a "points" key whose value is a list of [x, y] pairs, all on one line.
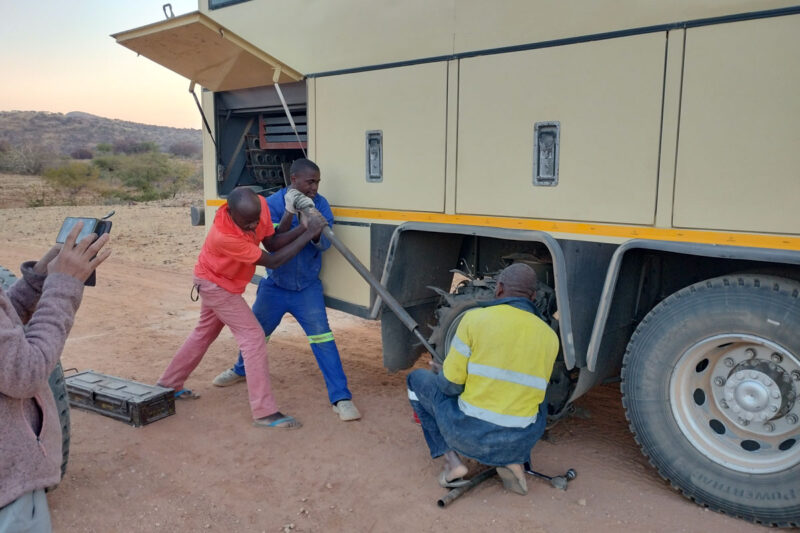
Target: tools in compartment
{"points": [[269, 167], [272, 149]]}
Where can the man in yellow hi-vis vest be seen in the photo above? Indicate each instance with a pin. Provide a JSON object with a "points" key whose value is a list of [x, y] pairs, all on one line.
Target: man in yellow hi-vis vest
{"points": [[487, 401]]}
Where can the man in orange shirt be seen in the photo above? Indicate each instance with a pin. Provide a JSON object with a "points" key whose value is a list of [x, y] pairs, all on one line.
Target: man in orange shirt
{"points": [[225, 266]]}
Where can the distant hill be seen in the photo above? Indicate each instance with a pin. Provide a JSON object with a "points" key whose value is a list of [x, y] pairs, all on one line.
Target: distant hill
{"points": [[62, 133]]}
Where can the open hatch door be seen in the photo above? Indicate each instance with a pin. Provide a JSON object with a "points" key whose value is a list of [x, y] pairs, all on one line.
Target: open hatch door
{"points": [[196, 47]]}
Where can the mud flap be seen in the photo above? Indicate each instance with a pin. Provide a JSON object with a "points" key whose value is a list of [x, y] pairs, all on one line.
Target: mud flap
{"points": [[401, 348]]}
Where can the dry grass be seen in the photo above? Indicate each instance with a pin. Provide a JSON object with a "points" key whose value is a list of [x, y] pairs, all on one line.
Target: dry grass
{"points": [[19, 191]]}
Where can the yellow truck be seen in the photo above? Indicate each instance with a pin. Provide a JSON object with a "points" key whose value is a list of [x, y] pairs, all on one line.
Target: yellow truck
{"points": [[641, 156]]}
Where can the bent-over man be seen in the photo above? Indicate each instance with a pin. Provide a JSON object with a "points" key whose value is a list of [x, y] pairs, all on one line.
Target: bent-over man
{"points": [[487, 402], [295, 288], [225, 266]]}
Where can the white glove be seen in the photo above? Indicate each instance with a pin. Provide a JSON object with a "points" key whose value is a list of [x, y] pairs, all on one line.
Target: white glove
{"points": [[295, 200], [303, 202]]}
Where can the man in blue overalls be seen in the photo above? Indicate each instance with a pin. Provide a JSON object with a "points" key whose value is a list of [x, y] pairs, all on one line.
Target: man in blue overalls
{"points": [[295, 288]]}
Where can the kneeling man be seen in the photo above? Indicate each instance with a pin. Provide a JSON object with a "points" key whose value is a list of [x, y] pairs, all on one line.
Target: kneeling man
{"points": [[487, 402]]}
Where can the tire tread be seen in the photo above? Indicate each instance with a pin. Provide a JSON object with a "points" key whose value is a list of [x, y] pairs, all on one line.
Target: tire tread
{"points": [[786, 287]]}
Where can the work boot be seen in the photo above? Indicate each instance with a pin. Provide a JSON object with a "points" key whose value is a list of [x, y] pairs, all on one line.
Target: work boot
{"points": [[346, 410], [226, 378]]}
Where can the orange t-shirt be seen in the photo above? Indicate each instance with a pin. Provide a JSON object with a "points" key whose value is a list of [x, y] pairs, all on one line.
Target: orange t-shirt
{"points": [[229, 253]]}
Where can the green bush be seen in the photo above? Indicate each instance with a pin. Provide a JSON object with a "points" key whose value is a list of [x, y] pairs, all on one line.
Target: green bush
{"points": [[143, 177], [129, 146], [106, 163], [81, 153], [137, 177], [74, 176], [186, 149]]}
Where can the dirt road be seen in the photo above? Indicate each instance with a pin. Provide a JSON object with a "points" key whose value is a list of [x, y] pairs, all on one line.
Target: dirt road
{"points": [[208, 469]]}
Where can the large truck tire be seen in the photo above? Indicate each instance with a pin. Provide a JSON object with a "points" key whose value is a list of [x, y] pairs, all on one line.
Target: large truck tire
{"points": [[450, 312], [7, 278], [709, 385], [57, 385]]}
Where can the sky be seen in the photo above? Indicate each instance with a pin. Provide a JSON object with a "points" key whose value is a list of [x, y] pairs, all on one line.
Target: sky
{"points": [[58, 56]]}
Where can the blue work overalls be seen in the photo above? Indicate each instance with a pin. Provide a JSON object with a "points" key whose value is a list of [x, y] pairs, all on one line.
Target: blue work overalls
{"points": [[295, 288]]}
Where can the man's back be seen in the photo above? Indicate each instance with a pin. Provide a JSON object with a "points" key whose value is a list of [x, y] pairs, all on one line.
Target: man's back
{"points": [[229, 253], [487, 402], [503, 355]]}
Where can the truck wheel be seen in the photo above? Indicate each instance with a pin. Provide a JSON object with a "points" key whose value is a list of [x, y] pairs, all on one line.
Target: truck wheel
{"points": [[450, 312], [709, 384], [57, 386], [7, 278]]}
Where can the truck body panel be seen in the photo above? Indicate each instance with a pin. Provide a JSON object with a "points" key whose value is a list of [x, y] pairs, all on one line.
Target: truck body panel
{"points": [[413, 141], [607, 98], [738, 119]]}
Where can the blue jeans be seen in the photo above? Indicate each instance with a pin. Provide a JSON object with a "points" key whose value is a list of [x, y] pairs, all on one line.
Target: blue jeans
{"points": [[27, 514], [446, 428], [308, 307], [425, 396]]}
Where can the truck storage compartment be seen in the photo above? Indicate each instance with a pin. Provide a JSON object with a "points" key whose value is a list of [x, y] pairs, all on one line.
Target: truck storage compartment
{"points": [[737, 159], [380, 137], [600, 102], [256, 140]]}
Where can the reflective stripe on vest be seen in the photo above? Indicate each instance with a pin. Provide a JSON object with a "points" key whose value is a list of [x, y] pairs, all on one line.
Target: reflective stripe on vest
{"points": [[460, 346], [508, 421], [526, 380]]}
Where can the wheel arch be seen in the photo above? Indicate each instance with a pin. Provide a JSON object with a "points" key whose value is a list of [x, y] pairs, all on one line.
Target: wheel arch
{"points": [[440, 244], [614, 313]]}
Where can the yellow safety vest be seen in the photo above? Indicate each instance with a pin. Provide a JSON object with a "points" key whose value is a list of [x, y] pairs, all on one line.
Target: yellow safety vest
{"points": [[504, 357]]}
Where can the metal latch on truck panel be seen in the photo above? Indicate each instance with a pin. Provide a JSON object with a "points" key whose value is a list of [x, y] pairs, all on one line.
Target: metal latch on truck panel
{"points": [[374, 156], [546, 149]]}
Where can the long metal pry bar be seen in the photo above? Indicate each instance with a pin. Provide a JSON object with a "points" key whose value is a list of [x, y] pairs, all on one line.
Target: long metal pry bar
{"points": [[388, 299]]}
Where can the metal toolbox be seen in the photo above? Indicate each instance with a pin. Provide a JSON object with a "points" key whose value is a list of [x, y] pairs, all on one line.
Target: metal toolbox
{"points": [[134, 403]]}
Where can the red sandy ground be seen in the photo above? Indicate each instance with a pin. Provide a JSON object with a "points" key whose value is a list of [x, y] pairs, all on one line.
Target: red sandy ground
{"points": [[208, 469]]}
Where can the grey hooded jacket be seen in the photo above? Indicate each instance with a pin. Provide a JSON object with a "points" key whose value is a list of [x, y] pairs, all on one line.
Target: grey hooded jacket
{"points": [[36, 315]]}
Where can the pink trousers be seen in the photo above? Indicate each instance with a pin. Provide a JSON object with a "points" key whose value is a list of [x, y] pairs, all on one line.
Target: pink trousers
{"points": [[222, 308]]}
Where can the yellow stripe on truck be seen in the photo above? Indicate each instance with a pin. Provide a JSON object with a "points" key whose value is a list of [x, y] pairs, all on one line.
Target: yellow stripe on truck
{"points": [[778, 242], [581, 228]]}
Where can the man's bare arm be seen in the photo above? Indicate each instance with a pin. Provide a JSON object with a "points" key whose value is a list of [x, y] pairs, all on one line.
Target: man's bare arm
{"points": [[285, 223], [302, 235], [277, 241]]}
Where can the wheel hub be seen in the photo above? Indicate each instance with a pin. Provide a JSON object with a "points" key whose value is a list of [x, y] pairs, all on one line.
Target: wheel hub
{"points": [[753, 391], [751, 395], [734, 397]]}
